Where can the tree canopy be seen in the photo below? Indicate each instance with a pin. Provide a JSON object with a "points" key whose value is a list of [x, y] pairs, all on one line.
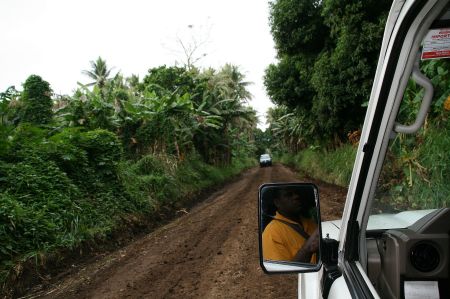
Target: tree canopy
{"points": [[327, 56]]}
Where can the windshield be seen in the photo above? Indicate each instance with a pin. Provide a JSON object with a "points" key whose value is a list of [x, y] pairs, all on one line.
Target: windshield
{"points": [[265, 156], [416, 171]]}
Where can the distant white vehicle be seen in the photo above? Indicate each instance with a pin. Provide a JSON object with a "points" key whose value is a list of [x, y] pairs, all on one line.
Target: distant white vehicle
{"points": [[265, 160]]}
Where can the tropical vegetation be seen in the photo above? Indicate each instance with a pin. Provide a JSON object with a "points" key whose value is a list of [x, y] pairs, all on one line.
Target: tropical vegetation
{"points": [[118, 151]]}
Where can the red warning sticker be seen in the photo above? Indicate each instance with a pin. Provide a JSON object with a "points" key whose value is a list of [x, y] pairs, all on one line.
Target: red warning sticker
{"points": [[436, 44]]}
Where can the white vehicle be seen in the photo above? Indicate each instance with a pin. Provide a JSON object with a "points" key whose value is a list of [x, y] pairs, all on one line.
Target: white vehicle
{"points": [[265, 160], [375, 252]]}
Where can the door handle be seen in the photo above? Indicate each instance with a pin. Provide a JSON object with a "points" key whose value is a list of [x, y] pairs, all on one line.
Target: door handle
{"points": [[423, 81]]}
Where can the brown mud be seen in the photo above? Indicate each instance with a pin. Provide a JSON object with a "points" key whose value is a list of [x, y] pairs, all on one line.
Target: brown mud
{"points": [[211, 251]]}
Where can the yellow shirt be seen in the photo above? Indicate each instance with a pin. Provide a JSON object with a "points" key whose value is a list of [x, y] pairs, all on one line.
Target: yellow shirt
{"points": [[281, 242]]}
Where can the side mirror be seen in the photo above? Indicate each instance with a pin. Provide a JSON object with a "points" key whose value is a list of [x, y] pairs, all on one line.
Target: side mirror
{"points": [[289, 228]]}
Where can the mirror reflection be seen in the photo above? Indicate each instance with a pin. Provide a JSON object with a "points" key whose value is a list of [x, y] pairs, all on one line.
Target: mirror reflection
{"points": [[289, 223]]}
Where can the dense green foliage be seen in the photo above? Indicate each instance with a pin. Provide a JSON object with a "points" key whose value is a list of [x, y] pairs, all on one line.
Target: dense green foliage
{"points": [[297, 25], [327, 54], [58, 190], [74, 168]]}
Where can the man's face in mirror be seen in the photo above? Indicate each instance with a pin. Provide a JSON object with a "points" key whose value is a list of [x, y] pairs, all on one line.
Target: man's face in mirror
{"points": [[290, 203]]}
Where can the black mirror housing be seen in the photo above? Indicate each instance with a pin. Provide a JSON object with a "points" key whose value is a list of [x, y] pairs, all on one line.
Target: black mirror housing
{"points": [[289, 230]]}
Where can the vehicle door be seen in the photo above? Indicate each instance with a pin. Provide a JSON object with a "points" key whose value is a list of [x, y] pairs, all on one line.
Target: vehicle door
{"points": [[408, 24], [342, 267]]}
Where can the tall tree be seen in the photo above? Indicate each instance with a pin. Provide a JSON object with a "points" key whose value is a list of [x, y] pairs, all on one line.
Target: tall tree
{"points": [[234, 81], [288, 81], [36, 101], [344, 72]]}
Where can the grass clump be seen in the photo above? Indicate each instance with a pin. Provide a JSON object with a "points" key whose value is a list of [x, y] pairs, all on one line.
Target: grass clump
{"points": [[330, 166], [417, 171]]}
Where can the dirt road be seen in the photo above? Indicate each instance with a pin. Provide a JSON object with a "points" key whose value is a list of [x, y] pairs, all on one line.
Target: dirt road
{"points": [[210, 252]]}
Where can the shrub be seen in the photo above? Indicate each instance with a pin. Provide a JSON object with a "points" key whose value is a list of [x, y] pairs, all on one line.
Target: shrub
{"points": [[73, 160], [38, 206], [26, 137], [103, 149], [157, 164], [150, 177]]}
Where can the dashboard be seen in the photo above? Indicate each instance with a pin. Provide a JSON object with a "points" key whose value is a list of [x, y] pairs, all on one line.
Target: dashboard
{"points": [[399, 260]]}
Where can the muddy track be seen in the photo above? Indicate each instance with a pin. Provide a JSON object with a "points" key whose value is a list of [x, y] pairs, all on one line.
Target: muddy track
{"points": [[210, 252]]}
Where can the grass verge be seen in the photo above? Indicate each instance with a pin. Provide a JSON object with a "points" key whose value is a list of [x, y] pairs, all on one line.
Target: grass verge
{"points": [[333, 167], [152, 191]]}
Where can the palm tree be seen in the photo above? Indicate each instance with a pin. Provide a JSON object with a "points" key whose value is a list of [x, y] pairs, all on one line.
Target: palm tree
{"points": [[99, 73], [235, 82], [226, 94], [133, 82]]}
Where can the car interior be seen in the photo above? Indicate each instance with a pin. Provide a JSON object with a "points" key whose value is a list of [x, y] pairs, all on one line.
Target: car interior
{"points": [[419, 252]]}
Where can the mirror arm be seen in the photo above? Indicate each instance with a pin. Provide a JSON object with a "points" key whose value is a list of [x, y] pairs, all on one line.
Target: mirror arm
{"points": [[331, 273], [330, 253]]}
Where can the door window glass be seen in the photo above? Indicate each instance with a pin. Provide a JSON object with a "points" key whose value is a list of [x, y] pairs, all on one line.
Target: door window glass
{"points": [[416, 170]]}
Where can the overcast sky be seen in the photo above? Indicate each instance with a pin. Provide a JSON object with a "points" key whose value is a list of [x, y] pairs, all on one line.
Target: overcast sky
{"points": [[56, 39]]}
